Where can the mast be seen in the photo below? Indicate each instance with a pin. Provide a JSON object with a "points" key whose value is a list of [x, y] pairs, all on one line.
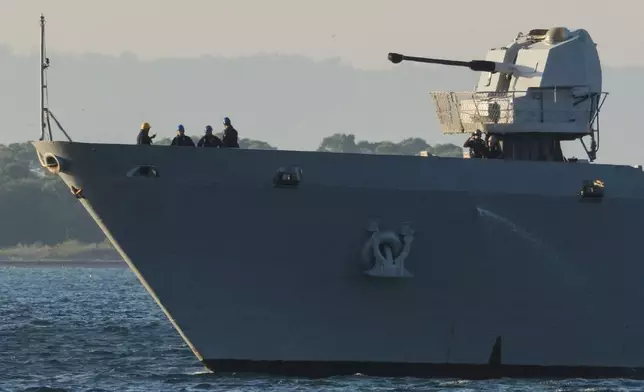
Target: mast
{"points": [[43, 86], [45, 113]]}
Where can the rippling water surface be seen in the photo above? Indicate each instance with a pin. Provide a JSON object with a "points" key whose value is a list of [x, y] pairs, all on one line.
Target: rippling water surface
{"points": [[94, 329]]}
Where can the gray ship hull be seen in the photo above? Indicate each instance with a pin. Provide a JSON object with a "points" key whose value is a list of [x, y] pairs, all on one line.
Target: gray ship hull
{"points": [[510, 278]]}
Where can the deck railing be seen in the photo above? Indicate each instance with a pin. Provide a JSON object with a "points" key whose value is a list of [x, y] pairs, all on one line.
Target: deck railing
{"points": [[557, 110]]}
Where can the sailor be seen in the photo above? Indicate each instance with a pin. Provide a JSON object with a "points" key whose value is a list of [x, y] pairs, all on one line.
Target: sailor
{"points": [[230, 135], [477, 146], [494, 148], [181, 139], [209, 140], [144, 137]]}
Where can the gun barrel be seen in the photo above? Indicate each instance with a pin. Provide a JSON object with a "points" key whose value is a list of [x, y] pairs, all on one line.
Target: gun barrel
{"points": [[397, 58], [474, 65]]}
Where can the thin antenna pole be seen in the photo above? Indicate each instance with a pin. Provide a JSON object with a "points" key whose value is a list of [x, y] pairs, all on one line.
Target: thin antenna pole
{"points": [[42, 77]]}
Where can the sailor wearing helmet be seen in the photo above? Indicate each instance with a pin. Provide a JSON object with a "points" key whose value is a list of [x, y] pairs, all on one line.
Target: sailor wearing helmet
{"points": [[181, 139], [209, 140], [476, 144], [144, 135]]}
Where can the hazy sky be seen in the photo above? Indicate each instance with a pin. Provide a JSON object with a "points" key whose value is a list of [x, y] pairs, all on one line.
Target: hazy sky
{"points": [[361, 32]]}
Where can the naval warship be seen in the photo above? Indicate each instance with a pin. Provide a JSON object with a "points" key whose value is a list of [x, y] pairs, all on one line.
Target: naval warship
{"points": [[327, 264]]}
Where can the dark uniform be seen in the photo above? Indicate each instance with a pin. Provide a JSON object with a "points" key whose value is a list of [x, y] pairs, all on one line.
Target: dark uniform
{"points": [[143, 138], [209, 140], [144, 135], [181, 139], [477, 146], [231, 136]]}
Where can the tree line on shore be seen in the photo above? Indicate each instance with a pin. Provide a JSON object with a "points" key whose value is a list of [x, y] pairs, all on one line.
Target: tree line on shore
{"points": [[37, 210]]}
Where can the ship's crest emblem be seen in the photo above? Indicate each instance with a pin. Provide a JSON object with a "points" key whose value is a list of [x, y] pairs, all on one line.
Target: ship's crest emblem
{"points": [[386, 251]]}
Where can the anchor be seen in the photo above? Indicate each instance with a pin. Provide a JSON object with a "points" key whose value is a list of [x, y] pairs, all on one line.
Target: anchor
{"points": [[386, 252]]}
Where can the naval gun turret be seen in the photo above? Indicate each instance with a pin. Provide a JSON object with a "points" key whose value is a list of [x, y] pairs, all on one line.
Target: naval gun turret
{"points": [[541, 89]]}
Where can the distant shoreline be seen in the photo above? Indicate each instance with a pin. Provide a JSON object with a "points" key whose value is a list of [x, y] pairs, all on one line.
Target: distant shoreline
{"points": [[68, 253], [64, 264]]}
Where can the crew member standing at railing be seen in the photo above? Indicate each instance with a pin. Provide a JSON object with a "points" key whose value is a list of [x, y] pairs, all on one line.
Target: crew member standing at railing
{"points": [[477, 146], [230, 138], [181, 139], [209, 140], [144, 135]]}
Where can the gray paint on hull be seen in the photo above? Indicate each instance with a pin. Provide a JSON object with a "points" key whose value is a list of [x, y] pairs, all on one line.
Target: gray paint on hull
{"points": [[248, 271]]}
